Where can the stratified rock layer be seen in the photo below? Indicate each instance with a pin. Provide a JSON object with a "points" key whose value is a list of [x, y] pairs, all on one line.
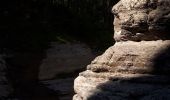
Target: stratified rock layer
{"points": [[137, 67], [127, 71], [134, 57]]}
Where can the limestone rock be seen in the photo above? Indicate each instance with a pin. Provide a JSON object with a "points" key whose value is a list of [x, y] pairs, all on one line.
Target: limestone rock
{"points": [[134, 57], [114, 86], [141, 20], [137, 67], [126, 71]]}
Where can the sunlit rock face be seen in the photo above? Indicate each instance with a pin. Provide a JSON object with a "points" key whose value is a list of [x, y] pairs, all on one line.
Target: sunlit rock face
{"points": [[134, 58], [137, 67], [138, 20]]}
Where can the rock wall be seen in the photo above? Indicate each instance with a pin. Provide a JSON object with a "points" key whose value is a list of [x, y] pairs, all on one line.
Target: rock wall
{"points": [[137, 66]]}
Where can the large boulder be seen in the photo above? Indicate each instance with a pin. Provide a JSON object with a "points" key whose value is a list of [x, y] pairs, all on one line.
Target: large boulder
{"points": [[137, 67]]}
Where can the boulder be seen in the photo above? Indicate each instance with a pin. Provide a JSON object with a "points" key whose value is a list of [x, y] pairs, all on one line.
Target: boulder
{"points": [[137, 66]]}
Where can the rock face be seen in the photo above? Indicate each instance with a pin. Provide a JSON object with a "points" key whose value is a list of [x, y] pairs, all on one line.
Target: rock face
{"points": [[142, 20], [137, 67]]}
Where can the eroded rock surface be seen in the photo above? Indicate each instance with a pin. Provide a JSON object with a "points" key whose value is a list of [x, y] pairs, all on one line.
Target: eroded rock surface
{"points": [[134, 57], [141, 20], [113, 86], [137, 67]]}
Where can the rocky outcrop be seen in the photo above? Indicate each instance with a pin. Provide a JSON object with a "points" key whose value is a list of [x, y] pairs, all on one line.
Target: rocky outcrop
{"points": [[134, 57], [141, 20], [137, 67]]}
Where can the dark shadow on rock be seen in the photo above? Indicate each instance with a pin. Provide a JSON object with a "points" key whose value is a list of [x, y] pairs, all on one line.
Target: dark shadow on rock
{"points": [[132, 89], [162, 62]]}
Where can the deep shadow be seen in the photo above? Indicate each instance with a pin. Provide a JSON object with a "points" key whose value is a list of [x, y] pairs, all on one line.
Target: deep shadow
{"points": [[23, 70], [162, 62], [27, 27]]}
